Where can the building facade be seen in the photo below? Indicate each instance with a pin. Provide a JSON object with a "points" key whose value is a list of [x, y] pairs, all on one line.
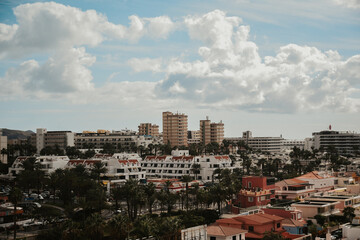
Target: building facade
{"points": [[211, 132], [121, 141], [175, 128], [175, 166], [343, 142], [257, 191], [149, 129], [60, 139], [194, 137], [265, 144]]}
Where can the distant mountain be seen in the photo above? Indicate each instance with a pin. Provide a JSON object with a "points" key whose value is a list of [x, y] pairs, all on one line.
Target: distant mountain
{"points": [[16, 134]]}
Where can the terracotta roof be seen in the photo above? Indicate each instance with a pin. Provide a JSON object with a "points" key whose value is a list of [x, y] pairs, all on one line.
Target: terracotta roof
{"points": [[293, 222], [226, 221], [220, 230], [258, 219]]}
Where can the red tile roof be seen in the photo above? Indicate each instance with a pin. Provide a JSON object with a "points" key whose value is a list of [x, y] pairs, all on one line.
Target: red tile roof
{"points": [[258, 219], [224, 231]]}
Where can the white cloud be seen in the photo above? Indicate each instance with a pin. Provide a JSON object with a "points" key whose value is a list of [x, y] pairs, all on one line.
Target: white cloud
{"points": [[145, 64], [62, 73], [229, 72], [355, 4], [50, 26]]}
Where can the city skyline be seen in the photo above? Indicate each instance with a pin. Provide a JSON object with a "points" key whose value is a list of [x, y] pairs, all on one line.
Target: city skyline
{"points": [[270, 67]]}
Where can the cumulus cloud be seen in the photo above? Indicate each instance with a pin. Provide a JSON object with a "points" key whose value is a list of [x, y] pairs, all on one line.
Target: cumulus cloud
{"points": [[231, 73], [146, 64], [355, 4], [62, 73], [49, 26], [228, 72]]}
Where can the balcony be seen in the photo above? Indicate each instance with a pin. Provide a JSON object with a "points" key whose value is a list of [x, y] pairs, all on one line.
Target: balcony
{"points": [[254, 193]]}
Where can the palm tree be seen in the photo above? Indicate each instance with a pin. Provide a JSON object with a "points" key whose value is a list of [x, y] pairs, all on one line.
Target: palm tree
{"points": [[186, 179], [97, 169], [120, 227], [218, 195], [117, 194], [195, 169], [15, 196], [54, 180], [150, 190]]}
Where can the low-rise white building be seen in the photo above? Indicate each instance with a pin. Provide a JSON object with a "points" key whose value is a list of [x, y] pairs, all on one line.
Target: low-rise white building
{"points": [[180, 163], [351, 231], [48, 164]]}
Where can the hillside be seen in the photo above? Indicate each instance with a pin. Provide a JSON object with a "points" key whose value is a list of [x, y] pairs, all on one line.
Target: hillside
{"points": [[16, 134]]}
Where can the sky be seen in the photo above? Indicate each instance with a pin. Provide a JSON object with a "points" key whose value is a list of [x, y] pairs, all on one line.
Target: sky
{"points": [[274, 67]]}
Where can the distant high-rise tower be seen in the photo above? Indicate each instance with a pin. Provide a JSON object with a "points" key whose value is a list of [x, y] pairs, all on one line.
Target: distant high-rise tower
{"points": [[205, 131], [149, 129], [175, 128], [211, 132]]}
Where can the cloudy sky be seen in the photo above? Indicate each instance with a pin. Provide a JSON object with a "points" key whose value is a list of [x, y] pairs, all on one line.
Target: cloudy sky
{"points": [[270, 66]]}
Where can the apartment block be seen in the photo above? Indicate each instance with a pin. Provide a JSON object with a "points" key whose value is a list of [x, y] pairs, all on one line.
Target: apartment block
{"points": [[121, 140], [175, 128], [343, 142], [266, 144], [149, 129], [45, 138], [193, 137], [211, 132], [177, 165]]}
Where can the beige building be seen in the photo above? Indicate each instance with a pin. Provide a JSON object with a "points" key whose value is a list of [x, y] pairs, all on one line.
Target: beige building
{"points": [[211, 132], [175, 128], [3, 145], [45, 138], [149, 129]]}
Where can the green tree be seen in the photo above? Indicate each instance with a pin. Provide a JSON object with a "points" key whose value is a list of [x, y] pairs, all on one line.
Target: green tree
{"points": [[150, 192], [120, 227], [186, 179], [349, 213], [15, 196], [195, 169]]}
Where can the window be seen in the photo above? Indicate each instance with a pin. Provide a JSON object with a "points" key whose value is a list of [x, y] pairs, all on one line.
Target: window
{"points": [[234, 237], [249, 184], [119, 170], [212, 238], [278, 225], [250, 199], [251, 228]]}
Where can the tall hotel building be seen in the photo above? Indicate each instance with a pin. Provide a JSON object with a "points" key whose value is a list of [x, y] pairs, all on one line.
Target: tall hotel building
{"points": [[175, 128], [149, 129], [211, 132]]}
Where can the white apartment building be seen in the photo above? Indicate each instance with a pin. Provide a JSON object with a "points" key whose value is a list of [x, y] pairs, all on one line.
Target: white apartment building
{"points": [[266, 144], [48, 164], [45, 138], [99, 139], [344, 142], [120, 167], [177, 165], [289, 144]]}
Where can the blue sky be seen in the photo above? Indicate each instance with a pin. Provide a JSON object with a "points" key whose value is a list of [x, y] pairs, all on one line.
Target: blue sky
{"points": [[272, 67]]}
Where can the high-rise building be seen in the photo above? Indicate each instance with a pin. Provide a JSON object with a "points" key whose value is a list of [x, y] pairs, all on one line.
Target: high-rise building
{"points": [[205, 131], [217, 132], [211, 132], [149, 129], [175, 127], [3, 145]]}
